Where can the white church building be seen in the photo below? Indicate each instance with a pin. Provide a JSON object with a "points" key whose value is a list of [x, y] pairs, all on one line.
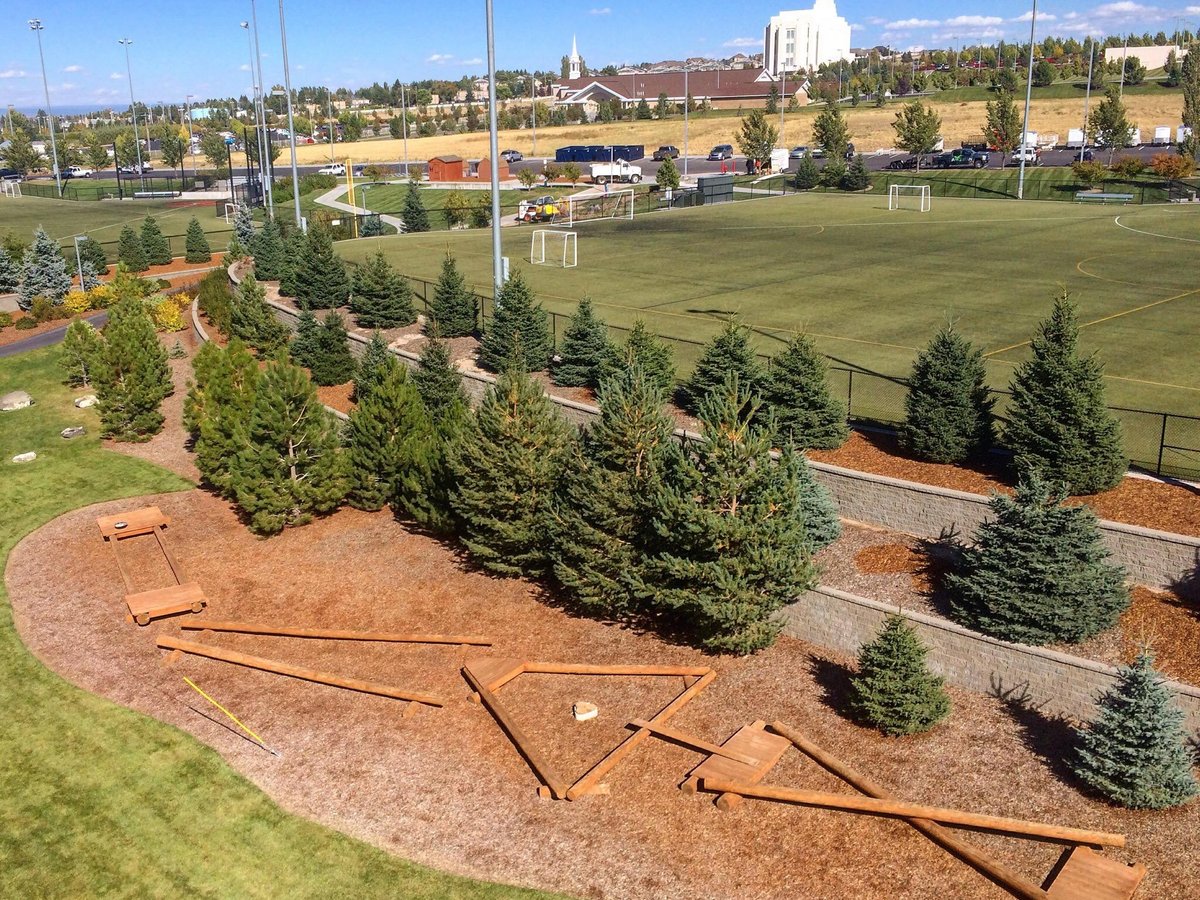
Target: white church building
{"points": [[805, 38]]}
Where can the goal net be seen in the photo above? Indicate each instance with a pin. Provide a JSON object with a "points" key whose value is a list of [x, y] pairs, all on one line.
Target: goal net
{"points": [[591, 207], [230, 211], [10, 189], [909, 196], [554, 248]]}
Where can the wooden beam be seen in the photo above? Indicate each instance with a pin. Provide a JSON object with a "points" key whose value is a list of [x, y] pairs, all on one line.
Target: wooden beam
{"points": [[902, 809], [539, 668], [586, 784], [168, 642], [540, 765], [998, 874], [162, 545], [335, 634], [681, 737], [120, 565]]}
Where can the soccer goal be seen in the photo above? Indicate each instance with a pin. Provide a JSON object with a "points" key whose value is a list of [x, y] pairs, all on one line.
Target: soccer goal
{"points": [[592, 207], [230, 211], [909, 196], [10, 189], [554, 248]]}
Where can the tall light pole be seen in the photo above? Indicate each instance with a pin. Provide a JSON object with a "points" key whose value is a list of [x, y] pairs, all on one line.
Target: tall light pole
{"points": [[533, 108], [685, 118], [287, 86], [262, 104], [258, 112], [36, 26], [329, 122], [191, 140], [404, 124], [1028, 97], [1087, 98], [494, 149], [137, 143]]}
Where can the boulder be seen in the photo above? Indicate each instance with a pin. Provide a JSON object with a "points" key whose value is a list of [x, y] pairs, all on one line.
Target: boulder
{"points": [[73, 432], [15, 400], [25, 457], [85, 401]]}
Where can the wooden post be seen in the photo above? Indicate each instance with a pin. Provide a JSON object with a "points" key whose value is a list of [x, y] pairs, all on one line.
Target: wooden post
{"points": [[587, 669], [335, 634]]}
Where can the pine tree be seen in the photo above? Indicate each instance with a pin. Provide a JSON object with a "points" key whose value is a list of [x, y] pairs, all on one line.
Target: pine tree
{"points": [[158, 250], [82, 347], [243, 225], [304, 345], [196, 245], [948, 410], [646, 351], [808, 176], [454, 307], [253, 321], [857, 177], [381, 297], [373, 367], [294, 248], [736, 547], [439, 383], [893, 691], [586, 350], [728, 354], [604, 509], [1135, 751], [332, 363], [43, 272], [267, 249], [796, 393], [413, 212], [390, 440], [1038, 571], [291, 466], [88, 277], [217, 409], [1057, 421], [509, 462], [91, 251], [130, 251], [10, 274], [440, 387], [320, 277], [817, 508], [132, 376], [520, 331]]}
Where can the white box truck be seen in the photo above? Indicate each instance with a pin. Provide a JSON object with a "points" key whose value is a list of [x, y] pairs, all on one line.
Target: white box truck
{"points": [[779, 159], [1074, 138], [1135, 138], [1162, 135]]}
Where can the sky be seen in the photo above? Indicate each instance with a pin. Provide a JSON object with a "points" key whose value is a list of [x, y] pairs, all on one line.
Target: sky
{"points": [[200, 48]]}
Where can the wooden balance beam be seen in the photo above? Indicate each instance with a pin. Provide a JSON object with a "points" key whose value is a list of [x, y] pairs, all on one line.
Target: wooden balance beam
{"points": [[334, 634], [183, 596], [168, 642]]}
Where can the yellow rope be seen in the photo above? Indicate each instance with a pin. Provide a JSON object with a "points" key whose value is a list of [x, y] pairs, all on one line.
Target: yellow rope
{"points": [[232, 717]]}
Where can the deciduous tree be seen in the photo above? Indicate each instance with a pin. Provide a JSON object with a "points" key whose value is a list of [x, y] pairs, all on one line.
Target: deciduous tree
{"points": [[830, 132], [757, 137], [917, 128]]}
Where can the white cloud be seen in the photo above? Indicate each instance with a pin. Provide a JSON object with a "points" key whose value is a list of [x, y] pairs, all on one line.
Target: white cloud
{"points": [[743, 42], [1120, 8], [439, 58], [13, 73], [116, 76], [1042, 17], [244, 67], [600, 11], [1194, 10], [473, 61], [67, 86], [73, 69], [914, 23], [857, 26], [875, 20], [978, 21]]}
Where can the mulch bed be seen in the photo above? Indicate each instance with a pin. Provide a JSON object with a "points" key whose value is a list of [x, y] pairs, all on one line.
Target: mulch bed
{"points": [[12, 335]]}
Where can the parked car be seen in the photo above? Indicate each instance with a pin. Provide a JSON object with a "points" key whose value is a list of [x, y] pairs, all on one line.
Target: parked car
{"points": [[11, 175], [665, 152], [511, 156], [818, 152], [721, 151], [332, 169], [1031, 155], [798, 153], [904, 162], [961, 159], [1084, 156]]}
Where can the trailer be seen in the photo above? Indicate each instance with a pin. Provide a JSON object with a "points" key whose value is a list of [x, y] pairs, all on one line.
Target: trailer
{"points": [[1074, 138], [1162, 135], [1182, 133], [1135, 138]]}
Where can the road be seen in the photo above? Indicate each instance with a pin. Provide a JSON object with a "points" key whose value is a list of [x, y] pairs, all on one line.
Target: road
{"points": [[48, 338]]}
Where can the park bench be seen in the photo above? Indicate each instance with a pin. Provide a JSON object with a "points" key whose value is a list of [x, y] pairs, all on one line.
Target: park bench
{"points": [[1099, 197]]}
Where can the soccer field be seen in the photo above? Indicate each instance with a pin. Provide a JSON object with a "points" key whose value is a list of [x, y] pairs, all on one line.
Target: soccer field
{"points": [[871, 286]]}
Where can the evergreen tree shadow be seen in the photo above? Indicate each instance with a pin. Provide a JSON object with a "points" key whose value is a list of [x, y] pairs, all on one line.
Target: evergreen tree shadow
{"points": [[1048, 736], [1187, 589], [938, 558], [833, 679]]}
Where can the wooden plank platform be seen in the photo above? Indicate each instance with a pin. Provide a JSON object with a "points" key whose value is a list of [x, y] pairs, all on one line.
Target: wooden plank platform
{"points": [[177, 598], [493, 671], [1087, 875], [751, 740], [137, 521]]}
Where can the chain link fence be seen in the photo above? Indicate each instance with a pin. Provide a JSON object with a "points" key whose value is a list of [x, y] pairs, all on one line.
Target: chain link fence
{"points": [[130, 187]]}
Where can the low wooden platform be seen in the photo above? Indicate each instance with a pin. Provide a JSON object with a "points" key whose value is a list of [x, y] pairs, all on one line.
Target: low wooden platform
{"points": [[1086, 875], [166, 601], [137, 521], [751, 740]]}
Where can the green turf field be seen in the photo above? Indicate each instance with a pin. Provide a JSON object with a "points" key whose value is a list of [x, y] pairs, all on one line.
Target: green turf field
{"points": [[872, 285]]}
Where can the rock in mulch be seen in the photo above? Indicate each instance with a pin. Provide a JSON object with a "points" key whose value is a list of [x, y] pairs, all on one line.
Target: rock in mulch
{"points": [[25, 457], [85, 401], [15, 400], [73, 432]]}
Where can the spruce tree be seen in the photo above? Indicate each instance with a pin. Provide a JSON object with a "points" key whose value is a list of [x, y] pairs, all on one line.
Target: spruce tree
{"points": [[808, 176], [91, 251], [412, 211], [373, 367], [131, 376], [294, 248], [1038, 571], [893, 690], [10, 274], [454, 308], [389, 442], [796, 393], [320, 276], [736, 549], [267, 249], [196, 245], [130, 251], [304, 345], [509, 461], [333, 362], [585, 352], [291, 465], [1135, 752], [88, 278], [519, 334], [948, 409], [646, 351], [381, 297], [604, 510], [440, 387], [217, 409], [253, 321], [437, 380], [81, 351], [1057, 420], [43, 272], [243, 225], [727, 355], [816, 505], [158, 250]]}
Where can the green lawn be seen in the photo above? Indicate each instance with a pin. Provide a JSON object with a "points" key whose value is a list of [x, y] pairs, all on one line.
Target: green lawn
{"points": [[97, 800]]}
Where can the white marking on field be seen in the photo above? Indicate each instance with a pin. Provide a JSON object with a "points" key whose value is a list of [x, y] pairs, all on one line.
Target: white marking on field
{"points": [[1170, 237]]}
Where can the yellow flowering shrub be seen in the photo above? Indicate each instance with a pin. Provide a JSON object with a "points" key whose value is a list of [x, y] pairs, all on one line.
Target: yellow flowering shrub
{"points": [[100, 297], [167, 315], [76, 303]]}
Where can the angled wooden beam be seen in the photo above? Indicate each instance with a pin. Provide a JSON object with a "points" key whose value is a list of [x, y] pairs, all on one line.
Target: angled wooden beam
{"points": [[334, 634], [540, 668], [695, 743]]}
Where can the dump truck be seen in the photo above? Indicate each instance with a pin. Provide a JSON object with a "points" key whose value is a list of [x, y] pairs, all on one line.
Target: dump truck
{"points": [[619, 171]]}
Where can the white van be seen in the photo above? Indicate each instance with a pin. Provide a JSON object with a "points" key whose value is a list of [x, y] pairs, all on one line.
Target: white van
{"points": [[332, 169]]}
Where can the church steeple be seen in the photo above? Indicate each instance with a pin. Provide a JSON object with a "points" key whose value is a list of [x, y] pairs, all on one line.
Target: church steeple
{"points": [[575, 61]]}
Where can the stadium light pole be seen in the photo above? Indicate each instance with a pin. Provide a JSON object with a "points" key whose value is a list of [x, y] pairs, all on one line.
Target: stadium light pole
{"points": [[533, 109], [191, 140], [265, 162], [404, 124], [287, 86], [1028, 97], [685, 119], [1087, 99], [258, 113], [137, 143], [493, 148], [35, 25]]}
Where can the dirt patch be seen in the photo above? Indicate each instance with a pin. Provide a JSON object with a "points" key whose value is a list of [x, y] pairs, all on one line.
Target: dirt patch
{"points": [[337, 396]]}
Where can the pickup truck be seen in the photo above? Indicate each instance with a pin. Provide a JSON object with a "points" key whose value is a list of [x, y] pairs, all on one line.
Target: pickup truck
{"points": [[666, 152], [78, 172], [963, 158], [620, 171]]}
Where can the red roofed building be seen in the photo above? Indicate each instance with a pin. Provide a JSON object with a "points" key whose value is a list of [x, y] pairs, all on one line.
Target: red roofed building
{"points": [[721, 88]]}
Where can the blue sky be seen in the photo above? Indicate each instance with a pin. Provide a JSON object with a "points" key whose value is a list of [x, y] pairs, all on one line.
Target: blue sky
{"points": [[199, 48]]}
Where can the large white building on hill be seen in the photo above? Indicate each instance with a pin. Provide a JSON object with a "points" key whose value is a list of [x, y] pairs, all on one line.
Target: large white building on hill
{"points": [[805, 38]]}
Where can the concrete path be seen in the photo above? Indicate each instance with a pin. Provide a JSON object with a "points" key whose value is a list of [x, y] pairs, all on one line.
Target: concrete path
{"points": [[329, 198], [48, 338]]}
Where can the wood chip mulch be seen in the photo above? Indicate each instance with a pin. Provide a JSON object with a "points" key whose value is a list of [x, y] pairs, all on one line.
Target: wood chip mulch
{"points": [[337, 396], [12, 335]]}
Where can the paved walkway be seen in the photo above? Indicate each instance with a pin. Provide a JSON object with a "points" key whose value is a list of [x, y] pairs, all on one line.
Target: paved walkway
{"points": [[48, 338], [329, 198]]}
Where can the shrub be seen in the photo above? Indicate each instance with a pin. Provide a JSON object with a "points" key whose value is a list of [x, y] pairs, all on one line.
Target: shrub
{"points": [[100, 296], [76, 303], [167, 315], [893, 690], [1127, 167], [1172, 165], [1090, 173], [215, 300], [43, 310], [6, 320], [26, 323]]}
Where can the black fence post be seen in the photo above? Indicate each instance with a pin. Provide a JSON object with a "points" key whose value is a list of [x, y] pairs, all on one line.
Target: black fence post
{"points": [[1162, 442], [850, 393]]}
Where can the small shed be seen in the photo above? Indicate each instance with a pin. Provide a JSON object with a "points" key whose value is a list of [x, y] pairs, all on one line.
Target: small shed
{"points": [[446, 168], [481, 169]]}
